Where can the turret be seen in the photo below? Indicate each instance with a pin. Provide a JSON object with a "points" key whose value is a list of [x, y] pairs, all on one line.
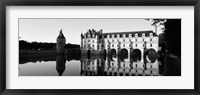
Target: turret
{"points": [[60, 45]]}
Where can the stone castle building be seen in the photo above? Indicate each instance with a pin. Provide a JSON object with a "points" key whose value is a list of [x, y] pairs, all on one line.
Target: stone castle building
{"points": [[138, 47], [134, 43]]}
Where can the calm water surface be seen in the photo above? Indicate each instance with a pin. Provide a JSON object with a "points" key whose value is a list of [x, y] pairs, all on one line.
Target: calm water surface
{"points": [[95, 66]]}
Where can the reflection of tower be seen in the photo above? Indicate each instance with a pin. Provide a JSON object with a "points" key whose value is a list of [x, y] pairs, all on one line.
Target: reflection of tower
{"points": [[60, 64], [60, 45]]}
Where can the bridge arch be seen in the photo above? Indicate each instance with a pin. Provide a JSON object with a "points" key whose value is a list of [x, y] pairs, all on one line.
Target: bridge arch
{"points": [[151, 55], [124, 53], [137, 55], [113, 52]]}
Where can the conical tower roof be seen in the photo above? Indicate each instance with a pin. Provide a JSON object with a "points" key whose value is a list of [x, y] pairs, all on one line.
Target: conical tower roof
{"points": [[61, 35]]}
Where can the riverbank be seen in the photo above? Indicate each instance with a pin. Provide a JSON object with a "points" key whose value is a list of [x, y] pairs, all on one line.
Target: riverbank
{"points": [[47, 55]]}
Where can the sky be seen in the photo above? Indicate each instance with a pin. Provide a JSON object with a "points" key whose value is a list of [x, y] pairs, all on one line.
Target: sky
{"points": [[47, 30]]}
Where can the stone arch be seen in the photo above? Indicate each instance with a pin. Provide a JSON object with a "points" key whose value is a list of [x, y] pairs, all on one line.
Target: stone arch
{"points": [[151, 55], [124, 53], [136, 55], [113, 52]]}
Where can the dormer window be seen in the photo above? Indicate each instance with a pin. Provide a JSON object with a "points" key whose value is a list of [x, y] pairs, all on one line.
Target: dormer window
{"points": [[130, 35], [124, 35], [113, 36], [143, 35], [108, 36], [136, 35], [118, 36], [151, 34]]}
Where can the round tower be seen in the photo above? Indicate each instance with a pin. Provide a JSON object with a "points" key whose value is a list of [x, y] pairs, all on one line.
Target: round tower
{"points": [[60, 45]]}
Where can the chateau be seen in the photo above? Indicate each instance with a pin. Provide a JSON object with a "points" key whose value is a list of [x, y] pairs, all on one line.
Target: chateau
{"points": [[138, 47], [133, 42]]}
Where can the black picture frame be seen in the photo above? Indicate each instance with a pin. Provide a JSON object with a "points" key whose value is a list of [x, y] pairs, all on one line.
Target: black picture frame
{"points": [[4, 3]]}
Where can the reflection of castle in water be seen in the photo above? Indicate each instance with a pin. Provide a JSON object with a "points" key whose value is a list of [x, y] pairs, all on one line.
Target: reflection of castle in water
{"points": [[115, 66]]}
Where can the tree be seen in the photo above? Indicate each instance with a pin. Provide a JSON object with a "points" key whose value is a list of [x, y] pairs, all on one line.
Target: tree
{"points": [[171, 36]]}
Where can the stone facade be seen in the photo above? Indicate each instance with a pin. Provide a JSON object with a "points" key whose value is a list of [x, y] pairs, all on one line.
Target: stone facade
{"points": [[130, 41]]}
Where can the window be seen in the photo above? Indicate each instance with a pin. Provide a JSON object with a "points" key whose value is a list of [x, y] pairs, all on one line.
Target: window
{"points": [[124, 45], [150, 45], [112, 45], [130, 45], [107, 36], [136, 40], [151, 39], [135, 45], [88, 40], [93, 45]]}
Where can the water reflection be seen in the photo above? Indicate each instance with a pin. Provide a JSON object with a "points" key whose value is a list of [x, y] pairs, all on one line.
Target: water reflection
{"points": [[60, 64], [112, 65], [117, 66]]}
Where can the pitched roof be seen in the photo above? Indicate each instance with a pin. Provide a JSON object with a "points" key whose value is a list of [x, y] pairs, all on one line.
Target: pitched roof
{"points": [[61, 35], [147, 33]]}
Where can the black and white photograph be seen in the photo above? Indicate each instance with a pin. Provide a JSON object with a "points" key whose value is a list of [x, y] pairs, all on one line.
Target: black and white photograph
{"points": [[99, 47]]}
